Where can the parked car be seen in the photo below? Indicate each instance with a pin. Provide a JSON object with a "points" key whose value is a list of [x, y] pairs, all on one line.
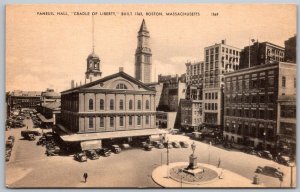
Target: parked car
{"points": [[265, 154], [175, 144], [158, 144], [249, 150], [53, 151], [12, 138], [81, 157], [115, 148], [168, 145], [91, 154], [269, 170], [104, 152], [184, 144], [9, 144], [148, 147], [125, 146], [284, 160]]}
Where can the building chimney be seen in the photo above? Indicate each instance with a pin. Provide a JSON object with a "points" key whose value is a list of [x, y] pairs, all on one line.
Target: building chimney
{"points": [[224, 41], [72, 84], [121, 69]]}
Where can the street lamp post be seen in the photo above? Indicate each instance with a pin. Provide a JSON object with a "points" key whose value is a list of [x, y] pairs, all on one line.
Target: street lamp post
{"points": [[168, 158], [264, 140], [292, 166]]}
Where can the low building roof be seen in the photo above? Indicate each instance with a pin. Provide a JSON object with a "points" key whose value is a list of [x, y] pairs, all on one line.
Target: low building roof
{"points": [[68, 137]]}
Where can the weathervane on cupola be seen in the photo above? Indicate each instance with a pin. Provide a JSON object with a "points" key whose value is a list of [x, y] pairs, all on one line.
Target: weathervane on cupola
{"points": [[93, 61]]}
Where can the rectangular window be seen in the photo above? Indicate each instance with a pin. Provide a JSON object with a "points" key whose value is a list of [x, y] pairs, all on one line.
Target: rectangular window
{"points": [[147, 120], [121, 121], [91, 122], [101, 121], [130, 120], [283, 81], [111, 121], [138, 120]]}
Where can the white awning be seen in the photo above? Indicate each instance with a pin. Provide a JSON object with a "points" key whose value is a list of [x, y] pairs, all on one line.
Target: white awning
{"points": [[110, 135]]}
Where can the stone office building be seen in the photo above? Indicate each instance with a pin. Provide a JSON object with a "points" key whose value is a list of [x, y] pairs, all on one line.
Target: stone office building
{"points": [[286, 122], [251, 97], [218, 60], [261, 53]]}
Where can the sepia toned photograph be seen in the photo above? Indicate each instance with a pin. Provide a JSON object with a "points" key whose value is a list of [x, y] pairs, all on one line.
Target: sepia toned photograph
{"points": [[150, 96]]}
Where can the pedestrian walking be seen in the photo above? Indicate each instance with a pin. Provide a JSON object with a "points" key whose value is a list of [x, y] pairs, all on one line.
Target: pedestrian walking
{"points": [[219, 162], [85, 176]]}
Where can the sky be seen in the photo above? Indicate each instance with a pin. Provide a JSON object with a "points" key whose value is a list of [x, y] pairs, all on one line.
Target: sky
{"points": [[48, 51]]}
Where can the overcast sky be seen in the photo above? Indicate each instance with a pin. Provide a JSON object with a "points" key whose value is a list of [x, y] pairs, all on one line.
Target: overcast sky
{"points": [[48, 51]]}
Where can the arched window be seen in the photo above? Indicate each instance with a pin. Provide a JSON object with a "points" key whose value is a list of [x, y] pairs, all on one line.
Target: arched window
{"points": [[111, 105], [91, 104], [121, 86], [91, 122], [101, 104], [139, 105], [130, 104], [147, 104], [121, 106]]}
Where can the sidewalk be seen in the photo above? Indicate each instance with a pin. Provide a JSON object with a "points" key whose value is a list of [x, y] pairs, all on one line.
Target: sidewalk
{"points": [[230, 179]]}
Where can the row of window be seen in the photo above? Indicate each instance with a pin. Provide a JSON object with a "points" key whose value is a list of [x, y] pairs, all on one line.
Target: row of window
{"points": [[250, 130], [251, 113], [288, 111], [250, 98], [121, 104], [227, 50], [121, 121], [213, 95], [249, 84], [211, 106]]}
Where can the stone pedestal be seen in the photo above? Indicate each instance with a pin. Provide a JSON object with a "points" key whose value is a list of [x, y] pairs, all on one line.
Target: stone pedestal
{"points": [[193, 168], [193, 162]]}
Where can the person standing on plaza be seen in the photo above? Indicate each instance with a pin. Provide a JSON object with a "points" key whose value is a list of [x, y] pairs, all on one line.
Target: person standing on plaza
{"points": [[85, 176], [219, 162]]}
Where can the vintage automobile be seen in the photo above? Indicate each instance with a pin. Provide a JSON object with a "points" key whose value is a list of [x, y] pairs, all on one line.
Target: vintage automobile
{"points": [[158, 144], [168, 145], [125, 146], [269, 170], [81, 157], [148, 147], [175, 144], [265, 154], [9, 144], [53, 151], [284, 160], [12, 138], [91, 154], [104, 152], [115, 148], [184, 144]]}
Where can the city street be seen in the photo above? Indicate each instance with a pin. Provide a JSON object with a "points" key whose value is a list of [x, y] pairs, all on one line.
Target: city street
{"points": [[29, 166]]}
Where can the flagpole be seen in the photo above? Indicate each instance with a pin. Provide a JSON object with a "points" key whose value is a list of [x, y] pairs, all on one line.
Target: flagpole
{"points": [[249, 53]]}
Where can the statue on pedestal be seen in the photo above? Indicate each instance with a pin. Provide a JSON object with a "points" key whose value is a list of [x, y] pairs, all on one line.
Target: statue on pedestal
{"points": [[193, 158]]}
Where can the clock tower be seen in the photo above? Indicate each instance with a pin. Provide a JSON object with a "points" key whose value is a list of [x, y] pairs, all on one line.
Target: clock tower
{"points": [[143, 55]]}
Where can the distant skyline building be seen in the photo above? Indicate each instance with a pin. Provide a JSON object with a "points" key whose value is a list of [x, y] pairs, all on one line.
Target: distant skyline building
{"points": [[261, 53], [143, 55], [290, 49]]}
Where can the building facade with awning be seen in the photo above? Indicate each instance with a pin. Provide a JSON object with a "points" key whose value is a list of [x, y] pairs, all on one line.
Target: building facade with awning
{"points": [[116, 106]]}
